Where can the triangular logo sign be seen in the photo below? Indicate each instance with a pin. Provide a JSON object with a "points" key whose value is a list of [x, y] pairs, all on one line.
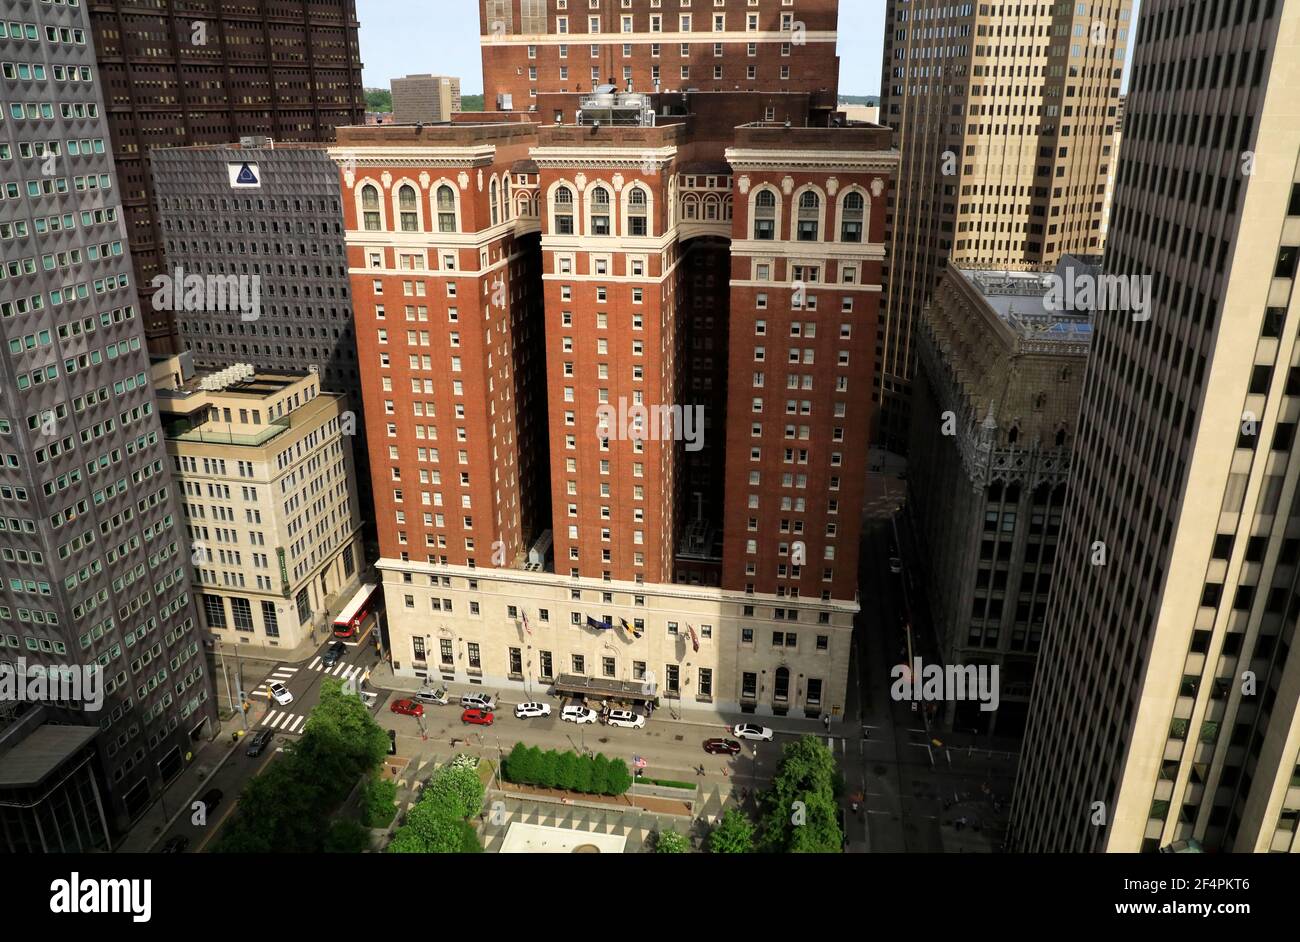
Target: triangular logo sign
{"points": [[246, 175]]}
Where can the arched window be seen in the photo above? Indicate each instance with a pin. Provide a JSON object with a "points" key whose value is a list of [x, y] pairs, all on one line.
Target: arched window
{"points": [[406, 204], [564, 211], [370, 208], [637, 213], [854, 215], [505, 195], [600, 211], [765, 216], [1013, 435], [494, 193], [446, 197], [690, 207], [810, 210]]}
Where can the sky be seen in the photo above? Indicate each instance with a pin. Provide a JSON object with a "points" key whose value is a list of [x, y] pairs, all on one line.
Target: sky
{"points": [[447, 42]]}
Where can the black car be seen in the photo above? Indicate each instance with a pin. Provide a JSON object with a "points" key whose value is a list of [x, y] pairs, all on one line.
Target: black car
{"points": [[333, 653], [176, 844], [211, 798], [257, 745], [721, 747], [392, 742]]}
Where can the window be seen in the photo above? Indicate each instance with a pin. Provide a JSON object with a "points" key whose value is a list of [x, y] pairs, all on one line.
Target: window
{"points": [[370, 208], [810, 205], [564, 211], [269, 621], [242, 613], [765, 216], [545, 664], [851, 222], [706, 683], [600, 211], [408, 216], [579, 664], [304, 607], [637, 215], [516, 662], [446, 209], [215, 609]]}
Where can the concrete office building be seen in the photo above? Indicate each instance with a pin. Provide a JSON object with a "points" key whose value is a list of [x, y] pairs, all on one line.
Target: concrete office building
{"points": [[263, 464], [535, 47], [572, 248], [1165, 709], [425, 99], [1004, 116], [995, 402], [184, 72], [96, 569]]}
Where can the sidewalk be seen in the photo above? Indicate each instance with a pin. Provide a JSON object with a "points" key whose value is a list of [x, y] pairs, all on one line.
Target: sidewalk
{"points": [[178, 797], [383, 678]]}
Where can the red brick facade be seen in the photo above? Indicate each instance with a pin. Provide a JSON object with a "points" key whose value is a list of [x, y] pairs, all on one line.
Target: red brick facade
{"points": [[532, 47]]}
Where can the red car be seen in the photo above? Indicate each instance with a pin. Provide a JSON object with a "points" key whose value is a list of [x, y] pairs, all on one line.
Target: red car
{"points": [[477, 717], [721, 747], [408, 707]]}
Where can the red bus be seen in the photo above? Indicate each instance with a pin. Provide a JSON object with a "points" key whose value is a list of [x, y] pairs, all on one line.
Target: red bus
{"points": [[354, 614]]}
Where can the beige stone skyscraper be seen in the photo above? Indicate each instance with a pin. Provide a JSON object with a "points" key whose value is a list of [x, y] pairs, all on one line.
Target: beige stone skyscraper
{"points": [[1004, 117], [1165, 705]]}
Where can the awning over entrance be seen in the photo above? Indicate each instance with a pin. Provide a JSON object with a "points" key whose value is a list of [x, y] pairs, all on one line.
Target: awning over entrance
{"points": [[606, 688]]}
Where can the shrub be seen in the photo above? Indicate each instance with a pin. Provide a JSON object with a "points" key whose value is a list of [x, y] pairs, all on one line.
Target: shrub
{"points": [[599, 775], [670, 842], [619, 779], [548, 769], [584, 774], [346, 837], [567, 771]]}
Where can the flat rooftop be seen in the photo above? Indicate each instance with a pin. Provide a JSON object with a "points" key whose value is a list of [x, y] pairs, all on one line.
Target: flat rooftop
{"points": [[41, 753], [524, 838], [1019, 299]]}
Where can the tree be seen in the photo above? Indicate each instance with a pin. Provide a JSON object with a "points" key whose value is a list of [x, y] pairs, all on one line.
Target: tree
{"points": [[618, 779], [514, 768], [379, 99], [461, 788], [734, 834], [437, 826], [799, 808], [379, 798], [599, 775], [341, 740], [548, 769], [670, 842], [346, 837], [567, 771]]}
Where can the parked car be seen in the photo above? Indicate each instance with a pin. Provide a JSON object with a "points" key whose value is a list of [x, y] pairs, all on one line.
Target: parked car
{"points": [[752, 731], [280, 693], [257, 745], [431, 695], [369, 698], [407, 708], [528, 710], [477, 717], [392, 742], [721, 747], [895, 564], [625, 719], [211, 798], [478, 701], [176, 844], [333, 653], [578, 714]]}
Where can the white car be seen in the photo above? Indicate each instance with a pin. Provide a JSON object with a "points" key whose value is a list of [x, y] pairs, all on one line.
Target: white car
{"points": [[624, 718], [578, 714], [895, 564], [528, 710], [280, 694], [752, 731]]}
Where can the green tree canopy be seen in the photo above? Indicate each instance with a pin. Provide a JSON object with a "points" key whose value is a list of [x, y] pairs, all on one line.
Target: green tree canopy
{"points": [[670, 842], [799, 808], [734, 834]]}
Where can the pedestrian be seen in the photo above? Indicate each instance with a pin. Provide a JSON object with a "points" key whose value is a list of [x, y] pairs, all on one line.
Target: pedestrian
{"points": [[826, 721]]}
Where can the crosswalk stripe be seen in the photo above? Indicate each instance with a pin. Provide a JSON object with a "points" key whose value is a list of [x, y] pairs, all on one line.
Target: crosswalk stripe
{"points": [[314, 665], [281, 721], [351, 672], [297, 721], [266, 721]]}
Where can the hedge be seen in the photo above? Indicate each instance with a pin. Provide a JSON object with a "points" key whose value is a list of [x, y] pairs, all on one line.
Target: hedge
{"points": [[587, 775]]}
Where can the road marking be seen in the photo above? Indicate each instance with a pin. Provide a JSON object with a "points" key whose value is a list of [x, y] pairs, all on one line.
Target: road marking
{"points": [[351, 672], [312, 666], [297, 721], [266, 720]]}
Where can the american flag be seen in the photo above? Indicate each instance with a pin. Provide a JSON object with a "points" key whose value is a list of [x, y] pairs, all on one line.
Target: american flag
{"points": [[638, 762], [527, 627], [695, 639]]}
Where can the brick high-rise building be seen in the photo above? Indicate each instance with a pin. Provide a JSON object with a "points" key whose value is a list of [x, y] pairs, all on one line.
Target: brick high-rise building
{"points": [[1005, 119], [96, 563], [662, 552], [537, 47], [1165, 710], [182, 72]]}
